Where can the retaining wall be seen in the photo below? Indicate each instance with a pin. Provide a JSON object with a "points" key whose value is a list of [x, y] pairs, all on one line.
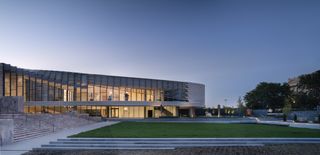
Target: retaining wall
{"points": [[6, 131]]}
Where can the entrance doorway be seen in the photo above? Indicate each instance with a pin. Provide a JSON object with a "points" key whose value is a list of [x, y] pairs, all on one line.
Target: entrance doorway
{"points": [[184, 113], [114, 112], [150, 113]]}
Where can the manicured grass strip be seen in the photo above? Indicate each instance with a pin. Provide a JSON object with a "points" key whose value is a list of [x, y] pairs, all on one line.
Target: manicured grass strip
{"points": [[195, 130]]}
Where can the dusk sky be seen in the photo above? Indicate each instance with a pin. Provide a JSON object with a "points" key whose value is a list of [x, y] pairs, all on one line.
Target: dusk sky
{"points": [[228, 45]]}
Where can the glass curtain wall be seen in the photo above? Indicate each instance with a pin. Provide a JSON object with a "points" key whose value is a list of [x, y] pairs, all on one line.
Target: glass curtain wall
{"points": [[38, 85]]}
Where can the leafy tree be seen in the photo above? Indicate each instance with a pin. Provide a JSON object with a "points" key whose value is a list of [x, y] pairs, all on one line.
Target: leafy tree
{"points": [[308, 95], [267, 95], [287, 108], [304, 101]]}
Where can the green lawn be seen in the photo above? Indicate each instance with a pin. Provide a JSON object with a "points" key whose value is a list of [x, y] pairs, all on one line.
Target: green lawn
{"points": [[194, 130]]}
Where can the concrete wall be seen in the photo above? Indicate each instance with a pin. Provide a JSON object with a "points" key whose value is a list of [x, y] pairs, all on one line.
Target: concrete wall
{"points": [[304, 115], [260, 112], [11, 104], [6, 131], [308, 115]]}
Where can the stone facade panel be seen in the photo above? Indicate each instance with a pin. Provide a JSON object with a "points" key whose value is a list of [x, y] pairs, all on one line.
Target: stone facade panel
{"points": [[11, 105]]}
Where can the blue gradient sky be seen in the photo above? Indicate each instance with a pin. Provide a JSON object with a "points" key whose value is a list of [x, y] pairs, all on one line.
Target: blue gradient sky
{"points": [[230, 46]]}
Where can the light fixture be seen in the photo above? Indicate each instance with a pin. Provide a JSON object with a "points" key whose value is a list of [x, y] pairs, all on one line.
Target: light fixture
{"points": [[125, 108]]}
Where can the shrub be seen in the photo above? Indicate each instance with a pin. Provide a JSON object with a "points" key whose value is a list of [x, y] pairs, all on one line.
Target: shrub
{"points": [[284, 117], [295, 118]]}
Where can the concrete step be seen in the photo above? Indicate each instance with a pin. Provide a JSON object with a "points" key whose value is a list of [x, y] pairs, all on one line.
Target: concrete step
{"points": [[166, 143], [179, 142], [104, 148], [147, 145], [18, 139], [186, 139], [30, 135], [23, 131]]}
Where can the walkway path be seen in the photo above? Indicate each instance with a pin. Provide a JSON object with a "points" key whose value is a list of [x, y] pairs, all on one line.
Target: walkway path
{"points": [[290, 124], [25, 146]]}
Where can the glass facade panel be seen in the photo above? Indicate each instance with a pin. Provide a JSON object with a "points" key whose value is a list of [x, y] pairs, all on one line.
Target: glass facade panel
{"points": [[90, 92], [116, 81], [77, 87], [26, 88], [37, 85], [58, 92], [38, 89], [110, 93], [134, 95], [32, 88], [65, 92], [20, 85], [131, 112], [44, 90], [84, 88], [149, 95], [123, 94], [139, 95], [128, 94], [51, 91], [13, 84], [116, 94], [104, 93], [7, 84], [97, 93]]}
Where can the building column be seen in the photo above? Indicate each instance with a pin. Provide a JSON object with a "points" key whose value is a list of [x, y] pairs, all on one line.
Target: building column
{"points": [[177, 112], [192, 112]]}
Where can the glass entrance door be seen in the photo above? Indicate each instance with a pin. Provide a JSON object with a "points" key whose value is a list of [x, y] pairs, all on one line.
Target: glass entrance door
{"points": [[114, 112]]}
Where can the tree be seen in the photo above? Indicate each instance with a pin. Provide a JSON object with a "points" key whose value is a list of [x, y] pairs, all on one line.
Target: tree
{"points": [[267, 95], [308, 94], [287, 108], [241, 107], [304, 101]]}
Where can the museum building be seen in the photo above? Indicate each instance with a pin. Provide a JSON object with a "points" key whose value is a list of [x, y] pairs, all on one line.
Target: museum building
{"points": [[56, 92]]}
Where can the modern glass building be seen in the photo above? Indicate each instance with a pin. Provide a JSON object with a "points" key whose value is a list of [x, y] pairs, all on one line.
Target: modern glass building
{"points": [[100, 95]]}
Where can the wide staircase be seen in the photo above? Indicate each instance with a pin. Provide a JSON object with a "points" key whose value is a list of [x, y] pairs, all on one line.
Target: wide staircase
{"points": [[25, 134], [28, 126], [166, 112], [165, 143]]}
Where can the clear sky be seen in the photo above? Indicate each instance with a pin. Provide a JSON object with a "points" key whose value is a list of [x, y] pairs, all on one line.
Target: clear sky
{"points": [[228, 45]]}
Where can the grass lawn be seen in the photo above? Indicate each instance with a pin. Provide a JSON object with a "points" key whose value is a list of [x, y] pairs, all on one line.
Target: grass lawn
{"points": [[195, 130]]}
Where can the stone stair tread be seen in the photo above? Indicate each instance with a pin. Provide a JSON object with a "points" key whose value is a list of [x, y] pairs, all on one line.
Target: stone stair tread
{"points": [[154, 142], [27, 130], [31, 133], [17, 139], [104, 148], [34, 134], [186, 139], [150, 145]]}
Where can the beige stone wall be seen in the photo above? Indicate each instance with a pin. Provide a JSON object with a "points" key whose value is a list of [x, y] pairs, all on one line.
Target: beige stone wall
{"points": [[11, 104]]}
